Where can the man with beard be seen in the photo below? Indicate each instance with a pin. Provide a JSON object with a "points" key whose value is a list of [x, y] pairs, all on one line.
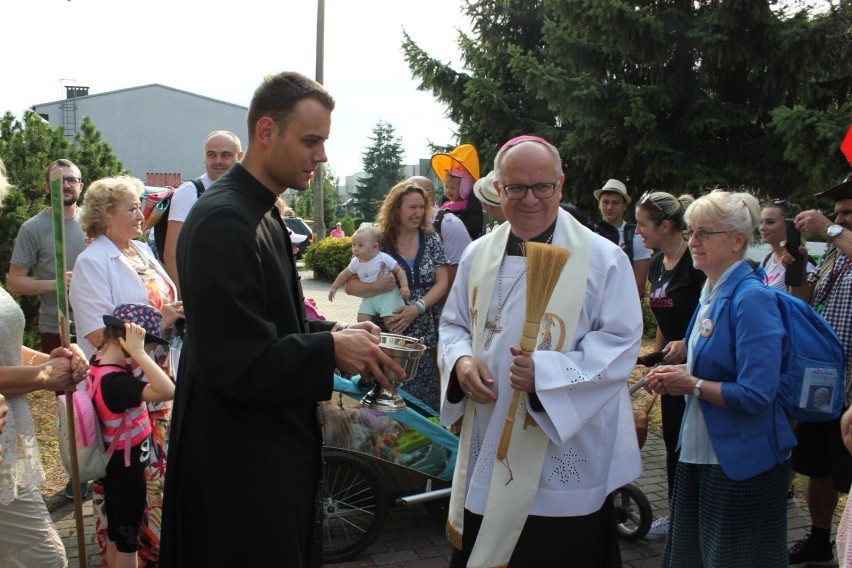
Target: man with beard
{"points": [[34, 252], [253, 368], [820, 454]]}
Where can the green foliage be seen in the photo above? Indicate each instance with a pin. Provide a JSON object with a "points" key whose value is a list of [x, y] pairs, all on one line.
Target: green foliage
{"points": [[677, 96], [649, 320], [94, 156], [328, 257], [27, 147], [382, 165], [303, 202]]}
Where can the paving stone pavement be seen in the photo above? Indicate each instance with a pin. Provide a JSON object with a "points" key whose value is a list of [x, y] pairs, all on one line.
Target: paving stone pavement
{"points": [[411, 537]]}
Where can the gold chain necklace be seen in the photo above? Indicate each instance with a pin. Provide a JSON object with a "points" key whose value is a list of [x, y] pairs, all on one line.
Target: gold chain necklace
{"points": [[405, 251], [676, 260]]}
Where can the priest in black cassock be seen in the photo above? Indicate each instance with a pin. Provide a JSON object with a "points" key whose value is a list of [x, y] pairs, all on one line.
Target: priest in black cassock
{"points": [[244, 461]]}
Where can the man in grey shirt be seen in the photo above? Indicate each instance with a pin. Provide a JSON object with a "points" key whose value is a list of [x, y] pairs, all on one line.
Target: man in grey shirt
{"points": [[34, 252]]}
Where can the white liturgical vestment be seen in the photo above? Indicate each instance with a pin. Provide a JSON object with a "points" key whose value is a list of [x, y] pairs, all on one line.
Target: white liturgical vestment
{"points": [[582, 386]]}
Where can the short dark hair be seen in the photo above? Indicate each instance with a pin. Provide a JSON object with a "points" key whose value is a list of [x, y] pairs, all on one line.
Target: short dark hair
{"points": [[59, 163], [278, 94]]}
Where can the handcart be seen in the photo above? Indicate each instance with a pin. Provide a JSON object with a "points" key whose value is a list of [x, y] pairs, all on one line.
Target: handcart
{"points": [[633, 513], [377, 460]]}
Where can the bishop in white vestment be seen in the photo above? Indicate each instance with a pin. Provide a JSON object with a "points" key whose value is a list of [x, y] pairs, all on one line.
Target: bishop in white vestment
{"points": [[574, 441]]}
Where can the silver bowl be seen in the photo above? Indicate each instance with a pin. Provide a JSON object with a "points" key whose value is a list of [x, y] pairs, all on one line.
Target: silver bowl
{"points": [[407, 352]]}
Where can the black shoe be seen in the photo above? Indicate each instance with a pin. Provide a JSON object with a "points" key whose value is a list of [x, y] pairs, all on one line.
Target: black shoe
{"points": [[808, 552], [84, 490]]}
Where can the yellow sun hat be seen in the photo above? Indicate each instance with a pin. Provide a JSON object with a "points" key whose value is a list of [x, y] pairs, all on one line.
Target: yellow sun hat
{"points": [[464, 156]]}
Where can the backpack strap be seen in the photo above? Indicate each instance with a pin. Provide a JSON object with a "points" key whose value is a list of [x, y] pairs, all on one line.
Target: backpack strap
{"points": [[199, 187], [439, 218], [606, 230]]}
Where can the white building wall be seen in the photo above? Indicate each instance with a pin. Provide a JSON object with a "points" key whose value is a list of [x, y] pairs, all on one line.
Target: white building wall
{"points": [[154, 128]]}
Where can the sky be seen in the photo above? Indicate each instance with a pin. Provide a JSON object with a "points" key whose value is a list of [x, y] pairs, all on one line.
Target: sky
{"points": [[222, 50]]}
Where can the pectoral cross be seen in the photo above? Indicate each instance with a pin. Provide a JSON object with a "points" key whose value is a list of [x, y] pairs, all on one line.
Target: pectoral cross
{"points": [[493, 328]]}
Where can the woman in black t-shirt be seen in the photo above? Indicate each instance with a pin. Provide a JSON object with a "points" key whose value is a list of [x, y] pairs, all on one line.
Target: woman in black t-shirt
{"points": [[675, 288]]}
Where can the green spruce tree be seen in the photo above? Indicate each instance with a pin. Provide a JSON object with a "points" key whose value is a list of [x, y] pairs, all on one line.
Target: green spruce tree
{"points": [[663, 94], [382, 165], [27, 147]]}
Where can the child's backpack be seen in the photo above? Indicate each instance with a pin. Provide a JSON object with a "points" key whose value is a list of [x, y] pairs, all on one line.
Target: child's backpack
{"points": [[130, 427], [156, 213], [91, 458], [813, 363]]}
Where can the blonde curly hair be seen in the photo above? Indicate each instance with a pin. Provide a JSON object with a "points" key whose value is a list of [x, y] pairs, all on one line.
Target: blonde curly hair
{"points": [[101, 199]]}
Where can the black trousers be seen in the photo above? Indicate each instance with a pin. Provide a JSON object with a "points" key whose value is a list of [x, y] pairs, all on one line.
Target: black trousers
{"points": [[589, 541]]}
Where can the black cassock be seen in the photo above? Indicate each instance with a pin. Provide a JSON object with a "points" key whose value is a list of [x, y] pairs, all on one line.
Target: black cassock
{"points": [[244, 459]]}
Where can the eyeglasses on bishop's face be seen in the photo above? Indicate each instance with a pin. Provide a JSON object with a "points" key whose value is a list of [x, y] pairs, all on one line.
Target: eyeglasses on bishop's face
{"points": [[701, 235], [519, 190], [646, 198], [71, 180]]}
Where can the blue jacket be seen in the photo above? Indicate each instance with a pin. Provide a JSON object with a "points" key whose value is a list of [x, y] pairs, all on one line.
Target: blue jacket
{"points": [[752, 434]]}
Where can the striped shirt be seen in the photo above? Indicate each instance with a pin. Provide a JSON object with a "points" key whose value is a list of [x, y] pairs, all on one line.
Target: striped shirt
{"points": [[837, 304]]}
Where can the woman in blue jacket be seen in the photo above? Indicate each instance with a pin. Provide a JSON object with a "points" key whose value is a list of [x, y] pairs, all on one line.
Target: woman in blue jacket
{"points": [[729, 506]]}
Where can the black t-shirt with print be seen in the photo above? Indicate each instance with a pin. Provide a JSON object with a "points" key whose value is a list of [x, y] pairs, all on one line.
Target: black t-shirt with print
{"points": [[674, 294]]}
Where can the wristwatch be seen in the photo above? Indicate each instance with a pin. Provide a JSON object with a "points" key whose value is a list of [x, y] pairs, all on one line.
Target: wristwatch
{"points": [[696, 390], [833, 231]]}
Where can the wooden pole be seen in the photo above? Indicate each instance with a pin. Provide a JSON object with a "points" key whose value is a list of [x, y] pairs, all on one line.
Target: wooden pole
{"points": [[318, 184], [58, 210]]}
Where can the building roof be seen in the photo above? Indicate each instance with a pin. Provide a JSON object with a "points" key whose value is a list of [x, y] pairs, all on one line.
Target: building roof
{"points": [[151, 85]]}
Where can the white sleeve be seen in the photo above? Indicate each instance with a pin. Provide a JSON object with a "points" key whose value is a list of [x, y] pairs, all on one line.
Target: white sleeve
{"points": [[573, 387], [389, 262], [90, 295], [455, 237], [182, 201]]}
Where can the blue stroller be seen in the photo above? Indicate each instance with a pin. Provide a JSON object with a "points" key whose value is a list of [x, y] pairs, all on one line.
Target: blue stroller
{"points": [[376, 460]]}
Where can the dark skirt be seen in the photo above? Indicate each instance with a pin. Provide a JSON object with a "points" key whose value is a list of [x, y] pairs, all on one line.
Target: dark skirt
{"points": [[717, 521]]}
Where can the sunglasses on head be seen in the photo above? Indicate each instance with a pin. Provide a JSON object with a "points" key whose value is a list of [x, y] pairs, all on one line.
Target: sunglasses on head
{"points": [[646, 197]]}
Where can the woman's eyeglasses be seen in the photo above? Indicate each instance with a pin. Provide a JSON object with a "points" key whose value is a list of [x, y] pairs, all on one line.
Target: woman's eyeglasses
{"points": [[646, 198], [701, 235]]}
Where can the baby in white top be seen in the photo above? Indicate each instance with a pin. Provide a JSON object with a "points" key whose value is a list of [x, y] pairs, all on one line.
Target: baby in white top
{"points": [[368, 263]]}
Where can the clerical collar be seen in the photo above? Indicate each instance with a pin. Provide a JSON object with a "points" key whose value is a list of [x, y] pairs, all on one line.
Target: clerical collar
{"points": [[513, 245]]}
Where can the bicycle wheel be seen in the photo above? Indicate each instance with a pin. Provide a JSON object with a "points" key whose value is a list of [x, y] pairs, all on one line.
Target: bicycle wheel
{"points": [[633, 513], [355, 505]]}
